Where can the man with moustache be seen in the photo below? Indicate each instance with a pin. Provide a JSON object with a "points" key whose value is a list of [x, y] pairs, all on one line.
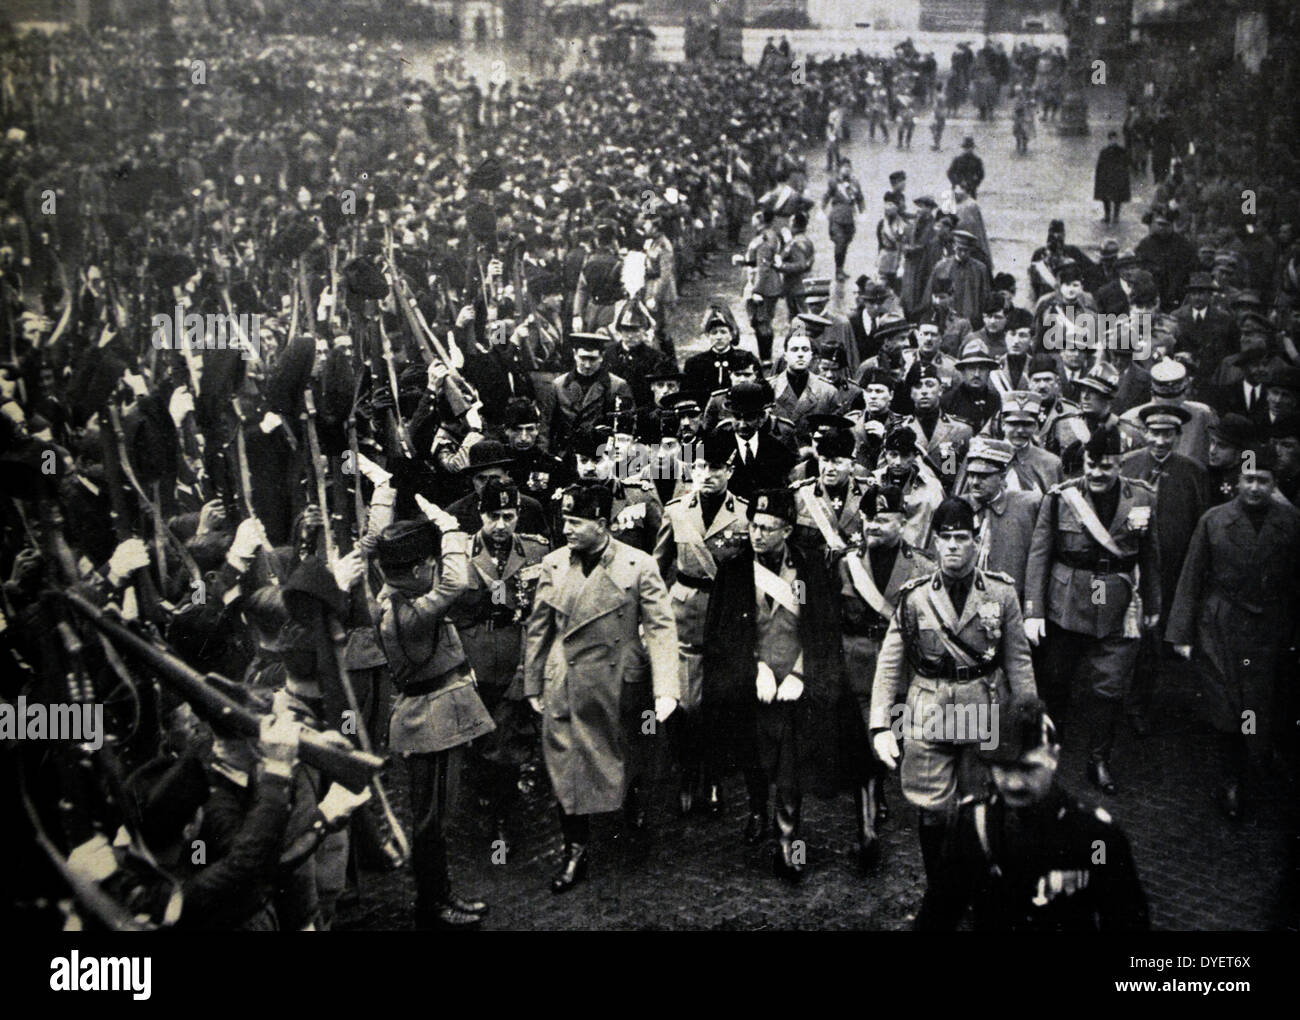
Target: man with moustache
{"points": [[1091, 587]]}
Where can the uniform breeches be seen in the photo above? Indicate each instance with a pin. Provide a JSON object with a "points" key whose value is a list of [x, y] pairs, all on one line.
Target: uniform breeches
{"points": [[934, 773], [431, 781], [841, 238]]}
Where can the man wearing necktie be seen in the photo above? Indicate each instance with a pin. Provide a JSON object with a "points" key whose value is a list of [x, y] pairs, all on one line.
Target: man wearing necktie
{"points": [[1182, 495]]}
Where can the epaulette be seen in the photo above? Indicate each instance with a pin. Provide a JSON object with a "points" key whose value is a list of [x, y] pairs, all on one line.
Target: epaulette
{"points": [[538, 539], [1141, 483], [718, 393], [997, 575], [912, 550], [638, 483], [915, 582], [777, 419], [804, 482]]}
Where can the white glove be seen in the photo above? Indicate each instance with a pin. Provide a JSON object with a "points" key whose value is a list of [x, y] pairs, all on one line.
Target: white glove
{"points": [[576, 324], [885, 744], [249, 537], [136, 382], [127, 558], [629, 517], [466, 316], [1183, 651], [348, 570], [94, 860], [180, 405], [765, 683], [535, 703], [445, 521], [790, 690], [1035, 629], [664, 707], [339, 802]]}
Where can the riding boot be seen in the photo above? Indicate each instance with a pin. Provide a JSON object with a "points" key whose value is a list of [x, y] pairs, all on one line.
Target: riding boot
{"points": [[789, 860], [1102, 718]]}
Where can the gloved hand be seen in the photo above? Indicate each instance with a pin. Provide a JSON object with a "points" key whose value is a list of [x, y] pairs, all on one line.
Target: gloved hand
{"points": [[339, 802], [1035, 629], [466, 316], [249, 537], [885, 744], [1183, 651], [348, 570], [664, 707], [629, 517], [535, 703], [765, 683], [211, 517], [278, 743], [445, 521], [94, 859], [180, 405], [790, 690], [127, 558]]}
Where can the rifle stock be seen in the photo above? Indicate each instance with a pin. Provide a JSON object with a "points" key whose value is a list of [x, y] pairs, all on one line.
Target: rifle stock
{"points": [[215, 700]]}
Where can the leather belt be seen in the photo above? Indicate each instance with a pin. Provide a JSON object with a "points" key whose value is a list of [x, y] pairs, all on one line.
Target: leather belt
{"points": [[419, 687], [945, 668], [698, 583], [1098, 564]]}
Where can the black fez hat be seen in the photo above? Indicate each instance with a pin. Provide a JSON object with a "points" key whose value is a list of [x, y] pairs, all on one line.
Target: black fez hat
{"points": [[591, 501], [835, 443], [1104, 442], [1039, 363], [1023, 726], [882, 499], [953, 514], [1259, 456], [877, 377], [901, 440], [365, 279], [777, 502], [521, 411], [589, 443], [1069, 272], [488, 176], [407, 543], [498, 494], [927, 372], [719, 445]]}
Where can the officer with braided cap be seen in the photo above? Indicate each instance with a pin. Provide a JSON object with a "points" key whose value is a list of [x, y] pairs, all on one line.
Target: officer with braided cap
{"points": [[954, 655], [1091, 585], [1027, 855]]}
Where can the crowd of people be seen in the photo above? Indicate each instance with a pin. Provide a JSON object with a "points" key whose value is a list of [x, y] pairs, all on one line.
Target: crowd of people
{"points": [[343, 418]]}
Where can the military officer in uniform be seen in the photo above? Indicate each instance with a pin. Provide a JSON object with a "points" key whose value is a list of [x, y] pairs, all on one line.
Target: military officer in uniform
{"points": [[1033, 469], [1091, 586], [1024, 857], [939, 436], [597, 603], [1060, 420], [871, 574], [534, 471], [504, 565], [437, 710], [1004, 518], [955, 654], [922, 490], [827, 506], [700, 531], [635, 507]]}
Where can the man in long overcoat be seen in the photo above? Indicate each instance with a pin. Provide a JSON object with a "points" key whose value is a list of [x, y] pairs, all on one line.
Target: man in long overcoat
{"points": [[1235, 612], [1110, 184], [597, 601]]}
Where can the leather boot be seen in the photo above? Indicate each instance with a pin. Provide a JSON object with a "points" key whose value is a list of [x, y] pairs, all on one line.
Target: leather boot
{"points": [[868, 842], [573, 868], [466, 906], [1102, 719], [447, 917], [633, 809], [789, 861]]}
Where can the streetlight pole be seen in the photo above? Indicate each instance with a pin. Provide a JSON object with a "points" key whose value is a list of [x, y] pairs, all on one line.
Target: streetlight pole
{"points": [[1073, 119]]}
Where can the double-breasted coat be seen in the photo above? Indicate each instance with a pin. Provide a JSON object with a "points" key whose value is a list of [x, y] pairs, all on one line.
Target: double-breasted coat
{"points": [[1236, 606], [580, 654]]}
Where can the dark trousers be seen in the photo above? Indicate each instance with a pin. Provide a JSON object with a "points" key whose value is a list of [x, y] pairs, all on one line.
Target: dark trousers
{"points": [[1063, 690], [429, 777]]}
